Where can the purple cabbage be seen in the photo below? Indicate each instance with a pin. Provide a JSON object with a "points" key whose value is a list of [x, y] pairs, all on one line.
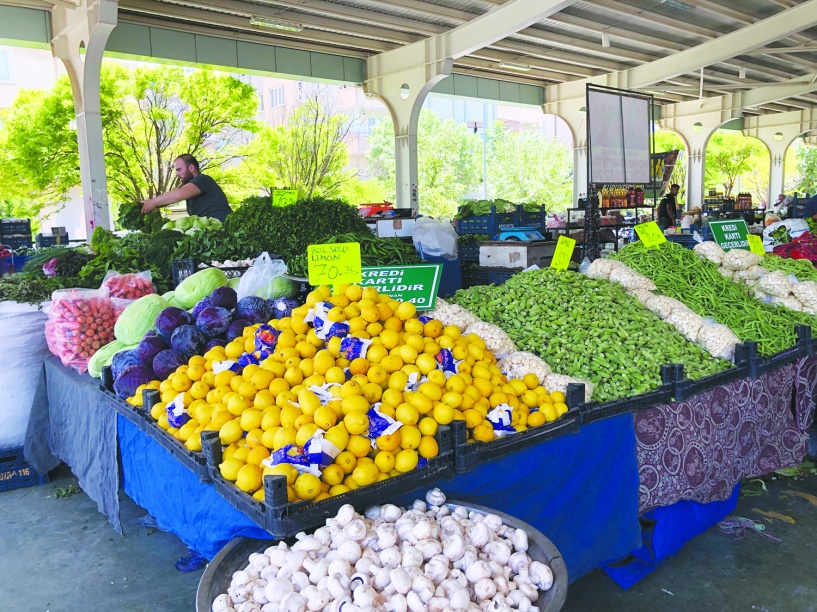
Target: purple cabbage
{"points": [[171, 318], [130, 379], [252, 308], [187, 340], [166, 362], [214, 343], [214, 321], [123, 360], [201, 305], [225, 297], [148, 348], [236, 329], [282, 307]]}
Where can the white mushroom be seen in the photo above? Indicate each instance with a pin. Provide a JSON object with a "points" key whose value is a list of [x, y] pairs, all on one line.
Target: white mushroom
{"points": [[308, 544], [358, 580], [221, 603], [350, 551], [519, 539], [478, 535], [502, 585], [477, 571], [493, 522], [429, 547], [386, 536], [400, 579], [412, 558], [436, 570], [340, 567], [469, 557], [419, 505], [415, 604], [365, 565], [338, 586], [484, 589], [259, 561], [259, 594], [459, 599], [372, 512], [497, 570], [317, 569], [345, 515], [249, 606], [519, 563], [364, 596], [300, 580], [454, 547], [424, 587], [324, 534], [355, 529], [425, 529], [541, 575], [294, 563], [240, 578], [498, 551], [390, 513], [315, 598], [381, 578], [438, 604], [277, 588], [435, 497], [395, 603], [238, 594], [293, 602], [460, 512]]}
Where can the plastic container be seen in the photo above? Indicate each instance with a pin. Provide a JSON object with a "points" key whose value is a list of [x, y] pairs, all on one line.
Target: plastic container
{"points": [[757, 365], [234, 556], [498, 277], [685, 240], [17, 242], [47, 240], [468, 455], [477, 276], [537, 220], [182, 268], [284, 519], [468, 252], [11, 227], [594, 411], [489, 223], [684, 388], [15, 471]]}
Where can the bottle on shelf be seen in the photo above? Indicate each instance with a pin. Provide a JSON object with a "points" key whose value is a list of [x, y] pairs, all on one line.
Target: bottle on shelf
{"points": [[639, 196]]}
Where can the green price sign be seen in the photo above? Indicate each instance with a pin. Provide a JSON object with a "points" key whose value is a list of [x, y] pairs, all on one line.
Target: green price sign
{"points": [[730, 234], [334, 264], [756, 245], [650, 234], [563, 253], [284, 197], [415, 284]]}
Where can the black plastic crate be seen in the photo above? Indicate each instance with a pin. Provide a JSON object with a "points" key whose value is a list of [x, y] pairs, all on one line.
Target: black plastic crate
{"points": [[469, 455], [182, 268], [284, 519], [757, 365], [498, 277], [16, 472], [477, 276], [12, 227], [468, 252], [47, 240], [593, 411], [134, 414], [685, 240], [489, 223], [17, 242], [684, 388]]}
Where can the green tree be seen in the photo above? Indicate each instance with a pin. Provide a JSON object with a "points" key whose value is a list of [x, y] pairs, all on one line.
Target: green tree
{"points": [[730, 155], [150, 115], [449, 162], [308, 152], [807, 169], [526, 167]]}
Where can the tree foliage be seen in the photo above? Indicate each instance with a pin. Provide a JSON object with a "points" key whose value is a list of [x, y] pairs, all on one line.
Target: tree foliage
{"points": [[307, 152], [806, 163], [669, 141], [730, 155], [448, 159], [150, 115], [526, 167]]}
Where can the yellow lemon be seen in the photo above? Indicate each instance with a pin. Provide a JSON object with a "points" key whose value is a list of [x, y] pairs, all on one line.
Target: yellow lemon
{"points": [[561, 408], [443, 413], [427, 426], [483, 432], [251, 419], [305, 433], [406, 460], [407, 414], [426, 363], [421, 402], [384, 460], [237, 404], [289, 414], [338, 436], [254, 438], [230, 432], [452, 398], [307, 486], [257, 455], [531, 380], [356, 422], [428, 447], [193, 443], [242, 452], [557, 396], [263, 399], [325, 417], [437, 377], [181, 382], [410, 437], [390, 442], [230, 468], [261, 379], [158, 409], [332, 474], [536, 418], [365, 474], [271, 418], [359, 446], [283, 437], [351, 388], [433, 329], [283, 469], [220, 418], [391, 363], [431, 390], [347, 461], [199, 390], [405, 311], [335, 375], [408, 353], [308, 402]]}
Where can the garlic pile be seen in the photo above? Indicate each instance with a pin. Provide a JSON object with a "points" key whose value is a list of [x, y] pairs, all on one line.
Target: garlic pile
{"points": [[430, 557], [717, 340], [229, 263], [774, 287]]}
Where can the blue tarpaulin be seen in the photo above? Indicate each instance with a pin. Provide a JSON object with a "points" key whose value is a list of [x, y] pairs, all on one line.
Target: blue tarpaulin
{"points": [[176, 498]]}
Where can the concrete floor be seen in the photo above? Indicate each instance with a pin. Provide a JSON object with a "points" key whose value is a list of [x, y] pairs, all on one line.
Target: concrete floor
{"points": [[60, 555]]}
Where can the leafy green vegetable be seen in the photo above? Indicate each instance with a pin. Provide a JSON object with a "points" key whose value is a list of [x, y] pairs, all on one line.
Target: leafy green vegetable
{"points": [[27, 290], [803, 269], [131, 217], [374, 251]]}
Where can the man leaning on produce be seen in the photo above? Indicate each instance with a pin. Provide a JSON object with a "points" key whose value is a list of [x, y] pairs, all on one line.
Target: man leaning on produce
{"points": [[204, 197]]}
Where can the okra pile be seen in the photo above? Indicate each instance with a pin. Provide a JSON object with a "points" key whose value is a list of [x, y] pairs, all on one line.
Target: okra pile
{"points": [[590, 329]]}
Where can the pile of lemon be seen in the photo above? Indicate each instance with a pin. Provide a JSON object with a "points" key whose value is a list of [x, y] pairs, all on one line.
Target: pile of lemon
{"points": [[269, 406]]}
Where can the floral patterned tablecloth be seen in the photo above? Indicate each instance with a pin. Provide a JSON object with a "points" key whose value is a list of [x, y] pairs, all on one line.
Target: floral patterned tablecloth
{"points": [[699, 449]]}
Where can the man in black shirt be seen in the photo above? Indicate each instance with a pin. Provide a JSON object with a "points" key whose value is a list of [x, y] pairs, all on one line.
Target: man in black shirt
{"points": [[667, 208], [204, 197]]}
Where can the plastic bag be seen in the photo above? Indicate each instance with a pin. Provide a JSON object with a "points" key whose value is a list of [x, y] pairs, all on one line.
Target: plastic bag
{"points": [[709, 250], [435, 238], [601, 268], [718, 340], [559, 382], [642, 295], [688, 324], [738, 259], [663, 306], [630, 279], [451, 314], [258, 280], [495, 338], [80, 322], [22, 327], [806, 292], [776, 283], [128, 286]]}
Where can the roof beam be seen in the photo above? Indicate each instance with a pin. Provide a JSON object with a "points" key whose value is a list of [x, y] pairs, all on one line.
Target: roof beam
{"points": [[758, 34], [469, 37]]}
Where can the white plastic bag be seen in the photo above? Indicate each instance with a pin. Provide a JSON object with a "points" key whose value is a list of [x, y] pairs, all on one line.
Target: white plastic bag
{"points": [[435, 238], [258, 279], [23, 329]]}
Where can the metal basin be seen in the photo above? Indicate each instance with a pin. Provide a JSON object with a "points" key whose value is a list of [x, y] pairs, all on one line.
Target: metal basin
{"points": [[233, 557]]}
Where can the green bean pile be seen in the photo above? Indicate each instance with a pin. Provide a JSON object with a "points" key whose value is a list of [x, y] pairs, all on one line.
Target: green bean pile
{"points": [[678, 273], [590, 329], [803, 269]]}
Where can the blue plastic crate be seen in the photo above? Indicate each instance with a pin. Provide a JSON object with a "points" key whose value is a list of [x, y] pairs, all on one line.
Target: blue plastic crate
{"points": [[498, 277], [536, 220], [685, 240], [15, 471], [489, 224], [468, 252], [474, 277]]}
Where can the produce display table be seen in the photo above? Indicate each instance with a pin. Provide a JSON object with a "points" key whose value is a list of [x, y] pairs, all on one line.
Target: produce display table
{"points": [[584, 490]]}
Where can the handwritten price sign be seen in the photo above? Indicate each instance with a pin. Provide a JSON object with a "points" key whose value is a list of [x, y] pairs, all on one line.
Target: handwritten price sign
{"points": [[650, 234], [756, 245], [334, 264], [563, 253], [284, 197]]}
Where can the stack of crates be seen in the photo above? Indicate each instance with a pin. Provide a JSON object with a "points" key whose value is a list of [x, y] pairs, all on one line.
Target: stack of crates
{"points": [[15, 472], [15, 233]]}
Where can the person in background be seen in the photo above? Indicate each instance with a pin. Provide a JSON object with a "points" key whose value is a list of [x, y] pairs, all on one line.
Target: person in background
{"points": [[668, 208], [204, 197]]}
